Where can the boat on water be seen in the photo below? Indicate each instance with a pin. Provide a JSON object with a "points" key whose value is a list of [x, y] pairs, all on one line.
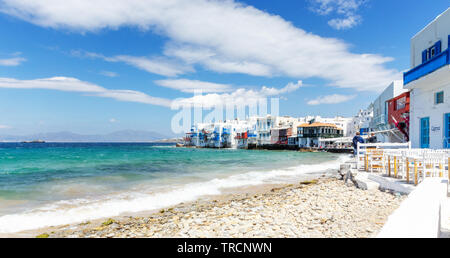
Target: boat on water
{"points": [[34, 141]]}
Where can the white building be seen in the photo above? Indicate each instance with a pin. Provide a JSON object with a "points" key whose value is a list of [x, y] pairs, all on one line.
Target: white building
{"points": [[429, 82], [360, 122], [265, 124], [263, 127], [380, 112], [255, 130], [341, 122], [219, 134]]}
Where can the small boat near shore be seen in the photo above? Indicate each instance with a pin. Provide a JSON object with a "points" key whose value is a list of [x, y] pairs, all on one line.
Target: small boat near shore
{"points": [[34, 141]]}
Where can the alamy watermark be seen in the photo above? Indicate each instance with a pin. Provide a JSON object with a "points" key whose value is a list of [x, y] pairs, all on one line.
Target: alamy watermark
{"points": [[206, 109]]}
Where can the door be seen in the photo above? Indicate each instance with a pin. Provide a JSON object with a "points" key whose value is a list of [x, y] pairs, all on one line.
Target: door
{"points": [[447, 131], [425, 132]]}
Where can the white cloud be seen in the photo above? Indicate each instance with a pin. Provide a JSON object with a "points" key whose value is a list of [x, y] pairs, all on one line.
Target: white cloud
{"points": [[290, 87], [346, 23], [346, 8], [75, 85], [222, 36], [4, 127], [112, 120], [331, 99], [53, 83], [160, 66], [109, 74], [191, 86], [157, 65], [13, 61], [239, 97]]}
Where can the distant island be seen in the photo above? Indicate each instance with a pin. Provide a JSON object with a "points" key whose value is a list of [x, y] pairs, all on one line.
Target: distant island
{"points": [[119, 136], [171, 140]]}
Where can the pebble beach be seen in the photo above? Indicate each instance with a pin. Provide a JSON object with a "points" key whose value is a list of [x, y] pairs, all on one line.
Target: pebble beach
{"points": [[321, 208]]}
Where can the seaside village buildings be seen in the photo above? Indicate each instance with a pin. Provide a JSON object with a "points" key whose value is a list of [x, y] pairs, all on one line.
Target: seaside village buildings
{"points": [[267, 131], [390, 106], [415, 109], [429, 84]]}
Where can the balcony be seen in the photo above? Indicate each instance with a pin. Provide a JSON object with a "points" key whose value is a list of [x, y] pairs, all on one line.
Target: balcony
{"points": [[379, 120], [426, 68], [319, 135]]}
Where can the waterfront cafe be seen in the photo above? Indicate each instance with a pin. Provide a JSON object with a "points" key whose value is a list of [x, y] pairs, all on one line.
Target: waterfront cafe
{"points": [[310, 133]]}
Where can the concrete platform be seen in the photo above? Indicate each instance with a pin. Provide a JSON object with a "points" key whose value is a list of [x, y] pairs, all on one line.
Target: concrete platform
{"points": [[369, 181], [390, 183], [419, 215], [362, 181], [444, 219]]}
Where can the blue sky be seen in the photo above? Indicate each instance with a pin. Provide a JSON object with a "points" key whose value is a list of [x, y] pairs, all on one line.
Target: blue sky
{"points": [[100, 66]]}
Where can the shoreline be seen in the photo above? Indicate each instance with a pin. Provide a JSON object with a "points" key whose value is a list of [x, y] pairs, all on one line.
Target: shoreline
{"points": [[246, 182], [322, 207], [225, 195]]}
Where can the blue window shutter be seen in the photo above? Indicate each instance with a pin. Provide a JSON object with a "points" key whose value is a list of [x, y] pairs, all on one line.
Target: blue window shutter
{"points": [[425, 132], [438, 47], [447, 131], [424, 56]]}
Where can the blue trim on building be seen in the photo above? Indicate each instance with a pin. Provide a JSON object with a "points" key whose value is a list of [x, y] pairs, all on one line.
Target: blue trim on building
{"points": [[428, 67], [424, 56], [425, 132], [447, 131], [438, 47], [429, 63], [364, 131], [439, 97]]}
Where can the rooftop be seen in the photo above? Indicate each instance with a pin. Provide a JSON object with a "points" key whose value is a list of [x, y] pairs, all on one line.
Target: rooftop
{"points": [[429, 24], [317, 124]]}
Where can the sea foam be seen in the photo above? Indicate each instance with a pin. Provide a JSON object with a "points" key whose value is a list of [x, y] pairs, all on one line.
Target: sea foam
{"points": [[80, 210]]}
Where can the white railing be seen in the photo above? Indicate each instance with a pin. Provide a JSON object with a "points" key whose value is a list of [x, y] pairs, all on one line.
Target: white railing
{"points": [[362, 149], [411, 165], [417, 164]]}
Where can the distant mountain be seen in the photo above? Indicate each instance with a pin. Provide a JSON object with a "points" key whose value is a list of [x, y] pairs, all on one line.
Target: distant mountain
{"points": [[119, 136]]}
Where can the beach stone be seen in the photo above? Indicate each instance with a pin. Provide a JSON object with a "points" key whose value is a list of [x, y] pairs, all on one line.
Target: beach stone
{"points": [[327, 208], [362, 182], [349, 176], [344, 169]]}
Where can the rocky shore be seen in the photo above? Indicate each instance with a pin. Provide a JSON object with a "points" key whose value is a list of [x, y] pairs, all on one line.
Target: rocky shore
{"points": [[318, 208]]}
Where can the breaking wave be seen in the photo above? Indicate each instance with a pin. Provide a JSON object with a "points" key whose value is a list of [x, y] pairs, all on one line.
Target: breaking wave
{"points": [[79, 210]]}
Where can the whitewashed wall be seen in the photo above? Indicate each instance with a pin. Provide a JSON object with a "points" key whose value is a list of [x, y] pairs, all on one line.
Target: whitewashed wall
{"points": [[438, 29], [423, 90], [393, 90], [422, 99]]}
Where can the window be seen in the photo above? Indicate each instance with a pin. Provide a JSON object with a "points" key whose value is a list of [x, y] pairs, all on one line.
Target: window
{"points": [[400, 103], [439, 97], [425, 132], [431, 52]]}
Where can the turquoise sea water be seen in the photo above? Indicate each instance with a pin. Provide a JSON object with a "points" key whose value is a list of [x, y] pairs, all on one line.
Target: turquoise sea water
{"points": [[60, 183]]}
